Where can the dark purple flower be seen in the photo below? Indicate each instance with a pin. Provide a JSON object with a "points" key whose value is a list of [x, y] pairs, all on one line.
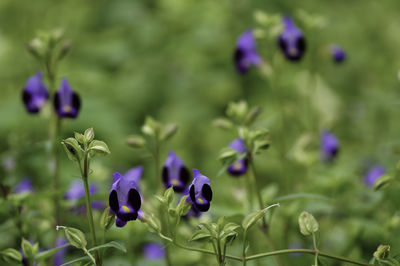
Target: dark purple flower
{"points": [[193, 212], [125, 199], [246, 53], [175, 173], [200, 193], [337, 53], [59, 256], [24, 186], [329, 146], [291, 41], [373, 174], [77, 191], [239, 167], [154, 251], [66, 102], [35, 93]]}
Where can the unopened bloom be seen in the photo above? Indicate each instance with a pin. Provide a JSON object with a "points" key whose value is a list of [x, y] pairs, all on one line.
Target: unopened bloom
{"points": [[35, 93], [200, 193], [125, 199], [66, 102], [338, 54], [329, 146], [291, 41], [24, 186], [154, 251], [239, 167], [175, 173], [246, 54], [373, 174]]}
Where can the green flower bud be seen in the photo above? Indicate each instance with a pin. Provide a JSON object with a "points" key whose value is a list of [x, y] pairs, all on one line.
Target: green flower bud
{"points": [[135, 141], [79, 137], [107, 219], [169, 131], [307, 223], [75, 237], [169, 195], [222, 123], [89, 135], [183, 206], [64, 50], [151, 127], [382, 252], [28, 249], [73, 149], [382, 182]]}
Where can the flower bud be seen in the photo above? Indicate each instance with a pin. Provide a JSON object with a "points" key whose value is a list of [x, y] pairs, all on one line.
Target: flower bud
{"points": [[169, 131], [222, 123], [308, 224], [135, 141], [28, 249], [107, 219], [73, 149], [382, 252], [75, 237]]}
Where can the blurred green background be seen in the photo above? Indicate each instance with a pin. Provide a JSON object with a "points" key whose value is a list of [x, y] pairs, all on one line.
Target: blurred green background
{"points": [[173, 60]]}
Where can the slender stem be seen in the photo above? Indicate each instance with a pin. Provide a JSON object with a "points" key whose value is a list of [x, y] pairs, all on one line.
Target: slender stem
{"points": [[56, 164], [220, 261], [85, 175], [244, 247], [316, 249], [90, 255]]}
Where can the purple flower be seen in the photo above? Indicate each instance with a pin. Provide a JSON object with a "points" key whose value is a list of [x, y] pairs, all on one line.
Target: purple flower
{"points": [[329, 146], [193, 212], [77, 191], [373, 174], [59, 256], [24, 186], [246, 53], [153, 251], [200, 193], [239, 167], [35, 93], [66, 102], [291, 41], [175, 173], [337, 53], [125, 199]]}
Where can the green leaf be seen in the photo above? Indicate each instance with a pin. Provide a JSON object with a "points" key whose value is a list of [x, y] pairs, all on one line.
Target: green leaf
{"points": [[201, 235], [183, 206], [254, 217], [169, 131], [48, 253], [222, 123], [28, 249], [11, 255], [169, 195], [72, 262], [98, 147], [79, 137], [112, 244], [307, 223]]}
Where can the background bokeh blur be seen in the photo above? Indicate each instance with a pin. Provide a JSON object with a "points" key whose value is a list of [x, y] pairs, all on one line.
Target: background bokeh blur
{"points": [[173, 60]]}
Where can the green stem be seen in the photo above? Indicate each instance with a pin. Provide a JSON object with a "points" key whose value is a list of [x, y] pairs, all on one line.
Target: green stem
{"points": [[90, 255], [316, 249], [85, 175], [244, 247], [220, 261]]}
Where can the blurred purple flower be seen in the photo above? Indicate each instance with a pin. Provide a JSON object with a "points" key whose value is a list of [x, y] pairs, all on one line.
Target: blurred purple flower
{"points": [[291, 41], [125, 199], [59, 256], [66, 102], [295, 246], [24, 186], [246, 53], [35, 93], [239, 167], [337, 53], [329, 146], [77, 191], [154, 251], [373, 174], [175, 173], [200, 193]]}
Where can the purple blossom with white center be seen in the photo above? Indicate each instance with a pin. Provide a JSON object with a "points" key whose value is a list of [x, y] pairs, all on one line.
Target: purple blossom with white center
{"points": [[239, 167], [77, 191], [373, 174], [154, 251], [59, 256], [337, 53], [66, 102], [329, 146], [291, 41], [246, 54], [24, 186], [125, 199], [200, 193], [175, 173], [35, 93]]}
